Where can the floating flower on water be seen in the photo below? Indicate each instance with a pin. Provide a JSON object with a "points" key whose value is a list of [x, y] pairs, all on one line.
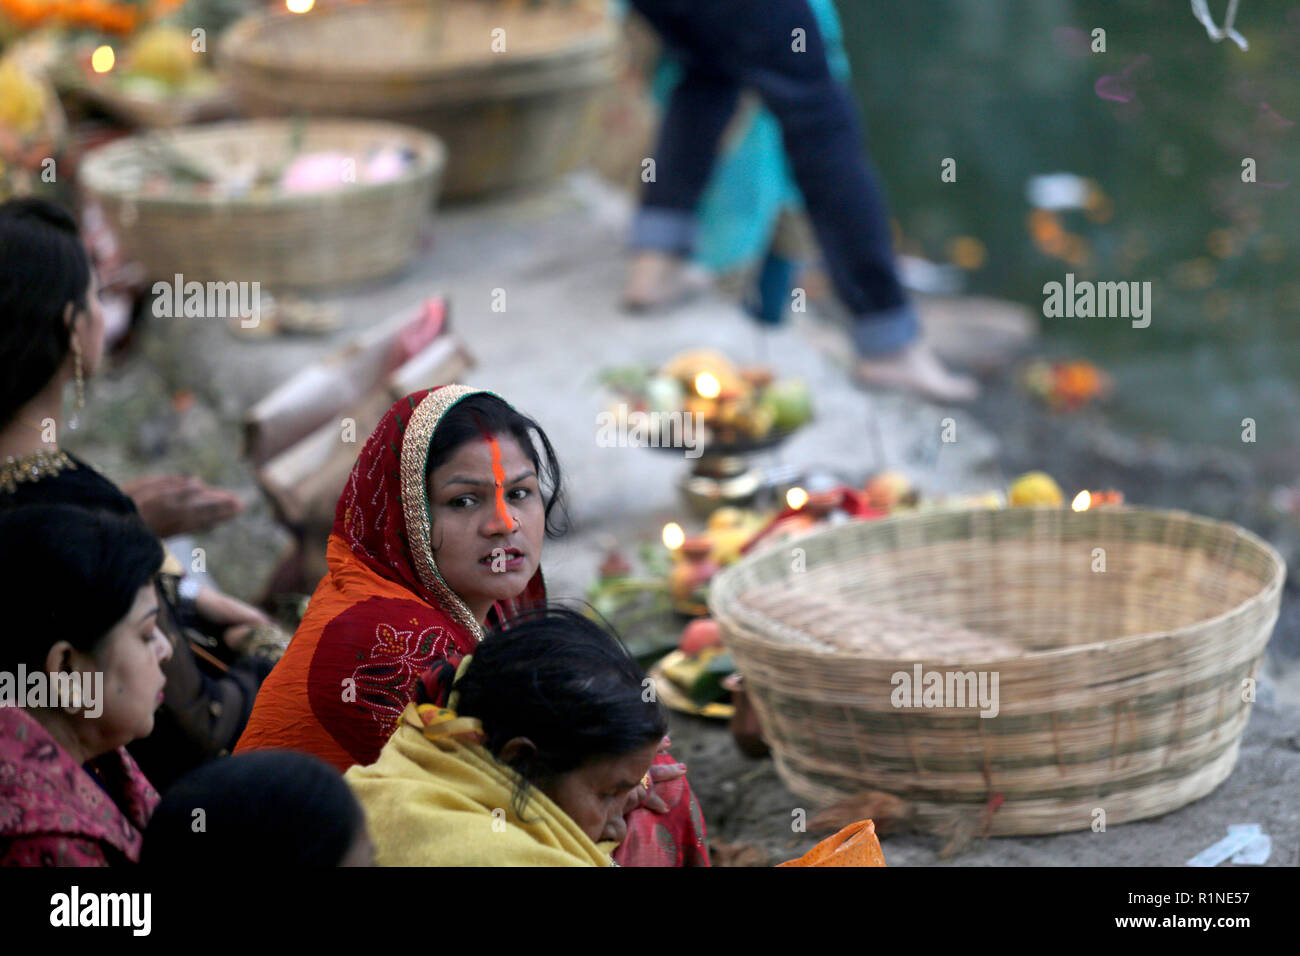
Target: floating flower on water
{"points": [[1197, 273], [1120, 87], [1044, 227], [967, 252], [1066, 386], [796, 498], [1222, 243], [673, 536], [1076, 250], [1098, 206], [1050, 237]]}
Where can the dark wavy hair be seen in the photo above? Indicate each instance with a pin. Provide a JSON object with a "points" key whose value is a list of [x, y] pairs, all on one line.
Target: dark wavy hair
{"points": [[560, 679], [269, 806], [482, 414], [43, 267], [68, 573]]}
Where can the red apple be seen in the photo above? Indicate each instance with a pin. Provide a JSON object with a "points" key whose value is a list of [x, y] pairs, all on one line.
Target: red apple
{"points": [[700, 633]]}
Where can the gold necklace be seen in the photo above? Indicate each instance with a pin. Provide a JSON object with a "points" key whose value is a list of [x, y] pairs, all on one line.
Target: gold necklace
{"points": [[14, 471]]}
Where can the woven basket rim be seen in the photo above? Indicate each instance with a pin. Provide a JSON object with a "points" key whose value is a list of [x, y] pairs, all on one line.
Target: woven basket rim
{"points": [[724, 581], [233, 44], [431, 160]]}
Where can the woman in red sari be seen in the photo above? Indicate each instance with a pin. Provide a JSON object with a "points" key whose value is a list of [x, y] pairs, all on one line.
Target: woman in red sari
{"points": [[438, 534]]}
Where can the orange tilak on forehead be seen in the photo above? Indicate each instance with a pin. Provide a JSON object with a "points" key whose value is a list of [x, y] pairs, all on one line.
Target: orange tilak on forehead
{"points": [[499, 473]]}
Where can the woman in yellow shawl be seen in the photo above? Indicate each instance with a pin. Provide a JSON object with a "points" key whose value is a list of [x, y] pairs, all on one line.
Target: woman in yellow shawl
{"points": [[530, 762]]}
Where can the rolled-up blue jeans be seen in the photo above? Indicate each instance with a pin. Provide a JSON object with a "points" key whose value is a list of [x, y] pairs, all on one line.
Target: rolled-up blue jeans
{"points": [[729, 45]]}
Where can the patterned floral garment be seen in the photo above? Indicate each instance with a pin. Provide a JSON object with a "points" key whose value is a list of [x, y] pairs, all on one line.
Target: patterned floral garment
{"points": [[53, 813]]}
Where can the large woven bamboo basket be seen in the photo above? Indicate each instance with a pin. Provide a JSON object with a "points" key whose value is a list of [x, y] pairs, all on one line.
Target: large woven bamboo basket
{"points": [[364, 230], [1125, 642], [509, 118]]}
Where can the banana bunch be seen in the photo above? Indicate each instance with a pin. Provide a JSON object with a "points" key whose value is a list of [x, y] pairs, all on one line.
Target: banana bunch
{"points": [[22, 99]]}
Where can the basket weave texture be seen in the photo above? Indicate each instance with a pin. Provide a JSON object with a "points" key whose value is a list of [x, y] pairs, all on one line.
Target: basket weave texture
{"points": [[361, 231], [522, 115], [1124, 689]]}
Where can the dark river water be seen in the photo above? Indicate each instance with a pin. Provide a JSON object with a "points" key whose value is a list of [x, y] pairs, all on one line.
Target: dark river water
{"points": [[1162, 123]]}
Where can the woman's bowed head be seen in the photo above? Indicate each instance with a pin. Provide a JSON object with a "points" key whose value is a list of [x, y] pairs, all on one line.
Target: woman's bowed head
{"points": [[276, 805], [487, 507], [561, 703]]}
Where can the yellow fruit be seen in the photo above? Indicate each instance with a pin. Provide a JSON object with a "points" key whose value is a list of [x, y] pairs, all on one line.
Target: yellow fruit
{"points": [[889, 490], [726, 518], [727, 544], [164, 53], [1035, 488], [757, 422], [22, 101]]}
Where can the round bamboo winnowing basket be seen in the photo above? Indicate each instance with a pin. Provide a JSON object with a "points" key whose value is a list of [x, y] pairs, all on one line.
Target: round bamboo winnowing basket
{"points": [[521, 115], [1125, 643], [363, 230]]}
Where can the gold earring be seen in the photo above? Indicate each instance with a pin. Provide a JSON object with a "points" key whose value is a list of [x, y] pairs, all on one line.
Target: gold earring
{"points": [[73, 705], [80, 381]]}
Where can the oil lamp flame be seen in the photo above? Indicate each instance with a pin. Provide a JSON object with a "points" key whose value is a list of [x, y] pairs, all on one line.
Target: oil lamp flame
{"points": [[707, 385], [102, 60], [673, 536], [796, 498], [299, 6], [1081, 501]]}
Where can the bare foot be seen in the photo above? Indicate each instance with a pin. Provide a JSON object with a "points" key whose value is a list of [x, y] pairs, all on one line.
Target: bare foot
{"points": [[657, 281], [916, 369]]}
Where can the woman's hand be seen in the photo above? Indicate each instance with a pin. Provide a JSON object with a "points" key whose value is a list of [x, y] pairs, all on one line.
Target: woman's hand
{"points": [[643, 795], [238, 619], [178, 504]]}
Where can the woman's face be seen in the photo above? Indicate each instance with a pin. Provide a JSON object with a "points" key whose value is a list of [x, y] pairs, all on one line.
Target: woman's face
{"points": [[594, 795], [131, 657], [483, 555]]}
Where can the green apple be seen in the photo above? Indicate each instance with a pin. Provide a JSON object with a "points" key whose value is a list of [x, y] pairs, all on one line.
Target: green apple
{"points": [[790, 403]]}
